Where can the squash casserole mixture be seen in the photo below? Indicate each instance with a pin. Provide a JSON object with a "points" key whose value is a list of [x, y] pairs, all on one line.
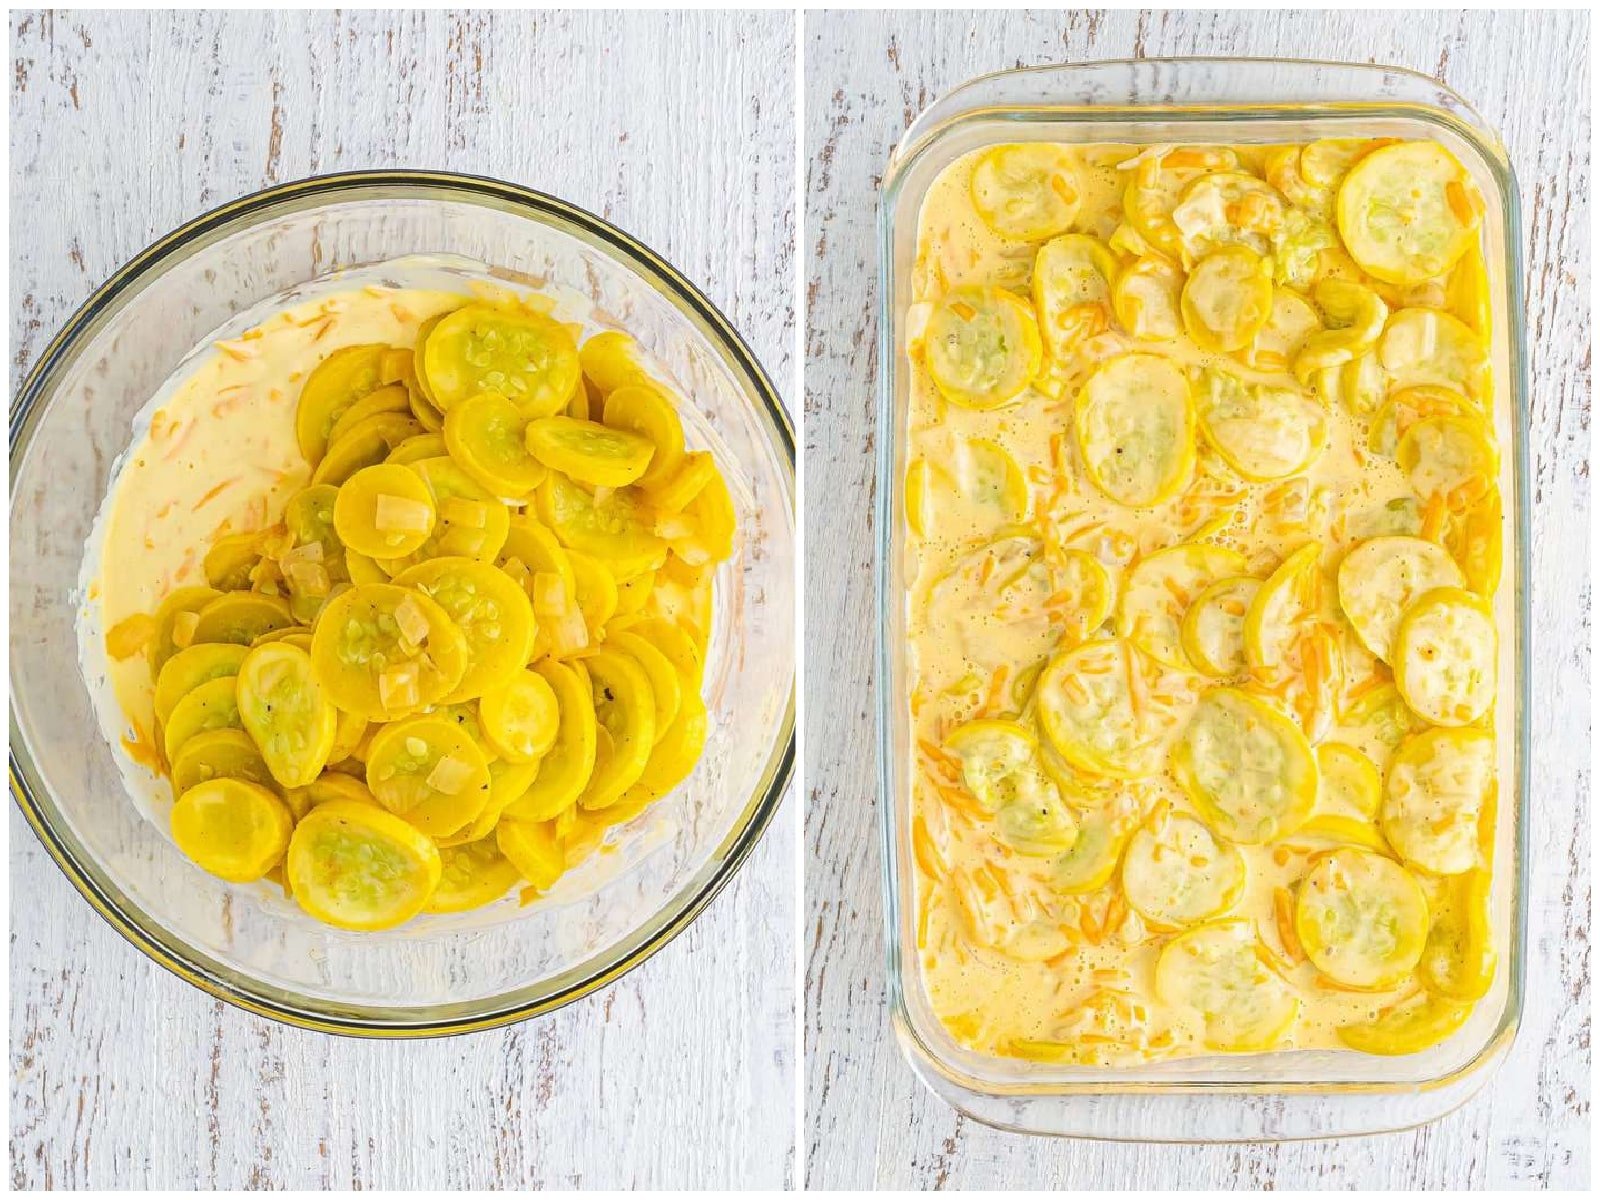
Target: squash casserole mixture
{"points": [[1203, 536], [407, 596]]}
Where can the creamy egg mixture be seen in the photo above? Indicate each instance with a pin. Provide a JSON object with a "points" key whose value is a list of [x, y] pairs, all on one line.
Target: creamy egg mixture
{"points": [[402, 597], [1203, 533]]}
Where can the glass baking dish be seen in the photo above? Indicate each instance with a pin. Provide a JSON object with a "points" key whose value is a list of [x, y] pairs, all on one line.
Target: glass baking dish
{"points": [[1260, 1097]]}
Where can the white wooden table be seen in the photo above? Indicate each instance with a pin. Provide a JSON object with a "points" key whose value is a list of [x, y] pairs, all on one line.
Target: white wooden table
{"points": [[869, 1123], [680, 129]]}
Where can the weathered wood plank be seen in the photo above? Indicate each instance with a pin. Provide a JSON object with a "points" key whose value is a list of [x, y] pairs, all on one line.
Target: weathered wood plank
{"points": [[680, 128], [869, 1123]]}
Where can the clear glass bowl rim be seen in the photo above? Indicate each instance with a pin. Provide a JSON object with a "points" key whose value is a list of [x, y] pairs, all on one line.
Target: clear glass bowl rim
{"points": [[960, 107], [298, 195]]}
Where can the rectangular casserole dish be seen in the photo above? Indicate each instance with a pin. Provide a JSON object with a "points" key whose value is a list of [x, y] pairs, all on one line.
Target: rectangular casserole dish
{"points": [[1261, 1097]]}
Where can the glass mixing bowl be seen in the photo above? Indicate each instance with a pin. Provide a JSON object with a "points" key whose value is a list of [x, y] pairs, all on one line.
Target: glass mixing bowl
{"points": [[439, 974]]}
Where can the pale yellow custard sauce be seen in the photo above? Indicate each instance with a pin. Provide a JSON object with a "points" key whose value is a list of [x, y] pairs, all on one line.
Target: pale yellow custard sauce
{"points": [[400, 600], [1203, 531]]}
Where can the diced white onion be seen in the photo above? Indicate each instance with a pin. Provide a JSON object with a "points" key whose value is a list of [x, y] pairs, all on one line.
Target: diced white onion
{"points": [[450, 776], [396, 514], [183, 626]]}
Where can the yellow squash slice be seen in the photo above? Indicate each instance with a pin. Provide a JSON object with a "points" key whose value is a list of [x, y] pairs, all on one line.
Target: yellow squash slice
{"points": [[384, 400], [1177, 873], [526, 357], [1135, 429], [236, 830], [564, 769], [493, 614], [1028, 191], [676, 754], [231, 559], [678, 490], [1363, 384], [163, 643], [1280, 340], [1458, 961], [521, 717], [1226, 209], [612, 359], [429, 771], [1405, 407], [286, 712], [212, 705], [1227, 300], [1217, 970], [1379, 580], [384, 651], [989, 486], [1048, 600], [1440, 785], [1362, 919], [1281, 167], [1094, 857], [364, 444], [353, 865], [1161, 588], [1467, 294], [1072, 280], [1292, 641], [1110, 709], [486, 435], [1326, 161], [240, 618], [1426, 347], [1350, 783], [532, 847], [1444, 657], [1377, 722], [1475, 539], [308, 516], [341, 379], [710, 523], [1160, 178], [982, 347], [473, 522], [1037, 823], [681, 650], [189, 668], [219, 754], [999, 762], [1247, 767], [1408, 212], [588, 451], [471, 875], [1355, 315], [1147, 299], [665, 685], [1449, 460], [1212, 630], [618, 529], [1264, 432], [1408, 1027], [384, 511], [981, 488], [645, 410], [625, 708]]}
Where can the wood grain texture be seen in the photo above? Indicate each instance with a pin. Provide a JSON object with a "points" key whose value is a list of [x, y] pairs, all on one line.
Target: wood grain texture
{"points": [[869, 1123], [679, 127]]}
